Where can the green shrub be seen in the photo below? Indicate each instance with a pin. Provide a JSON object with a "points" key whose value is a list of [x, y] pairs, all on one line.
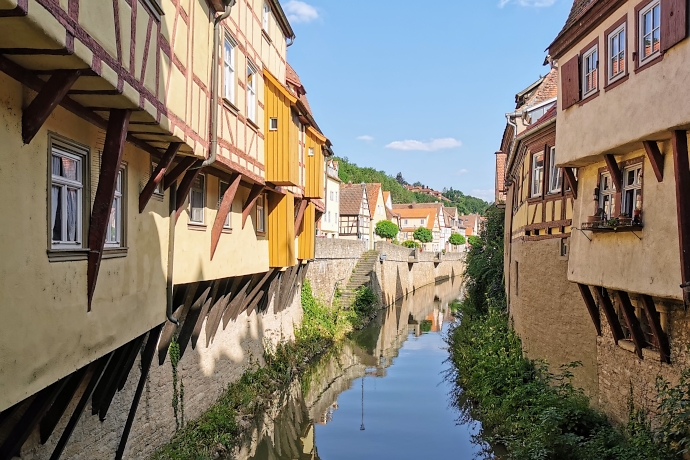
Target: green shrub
{"points": [[456, 239], [411, 244], [386, 229], [423, 235], [365, 302]]}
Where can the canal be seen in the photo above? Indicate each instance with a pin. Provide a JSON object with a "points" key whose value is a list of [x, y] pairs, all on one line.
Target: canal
{"points": [[379, 395]]}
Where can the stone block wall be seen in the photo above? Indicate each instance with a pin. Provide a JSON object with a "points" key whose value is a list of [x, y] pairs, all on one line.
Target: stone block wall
{"points": [[334, 261]]}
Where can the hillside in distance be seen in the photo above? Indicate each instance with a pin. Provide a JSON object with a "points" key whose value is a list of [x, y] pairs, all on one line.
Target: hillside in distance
{"points": [[350, 172]]}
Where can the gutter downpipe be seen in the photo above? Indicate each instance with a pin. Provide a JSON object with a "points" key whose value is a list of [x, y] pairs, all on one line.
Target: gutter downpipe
{"points": [[211, 159]]}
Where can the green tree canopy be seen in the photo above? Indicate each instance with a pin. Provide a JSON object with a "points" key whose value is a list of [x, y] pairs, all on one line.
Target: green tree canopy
{"points": [[423, 235], [456, 239], [474, 240], [386, 229], [410, 244]]}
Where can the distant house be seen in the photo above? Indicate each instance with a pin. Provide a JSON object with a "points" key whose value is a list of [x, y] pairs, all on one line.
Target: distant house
{"points": [[426, 191], [390, 214], [472, 223], [377, 210], [355, 216], [453, 225], [331, 217], [429, 215]]}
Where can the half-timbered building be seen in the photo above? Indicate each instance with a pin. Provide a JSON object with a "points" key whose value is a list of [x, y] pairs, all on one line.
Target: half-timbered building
{"points": [[355, 214]]}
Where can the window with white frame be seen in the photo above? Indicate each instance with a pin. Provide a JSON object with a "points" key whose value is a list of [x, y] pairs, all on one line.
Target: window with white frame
{"points": [[260, 216], [555, 174], [221, 193], [197, 198], [650, 31], [328, 219], [251, 91], [229, 70], [273, 124], [422, 221], [607, 196], [265, 17], [632, 189], [311, 151], [616, 57], [590, 67], [67, 185], [537, 173], [115, 230]]}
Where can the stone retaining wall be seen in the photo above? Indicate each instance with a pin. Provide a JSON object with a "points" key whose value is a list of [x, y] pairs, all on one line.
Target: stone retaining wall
{"points": [[334, 261]]}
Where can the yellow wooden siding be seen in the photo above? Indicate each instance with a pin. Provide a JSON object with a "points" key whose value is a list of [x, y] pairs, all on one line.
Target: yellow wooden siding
{"points": [[281, 230], [315, 176], [281, 149], [307, 235]]}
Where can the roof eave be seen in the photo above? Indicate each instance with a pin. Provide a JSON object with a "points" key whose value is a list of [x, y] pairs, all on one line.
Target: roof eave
{"points": [[282, 20]]}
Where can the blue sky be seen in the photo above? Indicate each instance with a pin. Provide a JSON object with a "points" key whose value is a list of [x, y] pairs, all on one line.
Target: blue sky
{"points": [[421, 87]]}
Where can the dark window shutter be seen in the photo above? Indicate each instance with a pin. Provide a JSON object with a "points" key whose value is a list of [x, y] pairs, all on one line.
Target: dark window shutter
{"points": [[570, 82], [674, 22]]}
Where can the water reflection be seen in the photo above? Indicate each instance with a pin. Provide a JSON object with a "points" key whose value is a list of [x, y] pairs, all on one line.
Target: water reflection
{"points": [[380, 394]]}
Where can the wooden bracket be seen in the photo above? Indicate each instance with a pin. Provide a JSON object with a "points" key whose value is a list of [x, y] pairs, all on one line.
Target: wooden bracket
{"points": [[300, 215], [681, 168], [179, 169], [183, 190], [111, 159], [572, 181], [223, 210], [591, 306], [655, 158], [47, 99], [655, 325], [251, 200], [609, 312], [157, 175], [633, 323], [615, 171]]}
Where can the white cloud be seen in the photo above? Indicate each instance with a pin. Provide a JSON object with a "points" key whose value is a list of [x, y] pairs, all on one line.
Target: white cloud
{"points": [[487, 195], [461, 172], [431, 146], [532, 3], [298, 11], [365, 138]]}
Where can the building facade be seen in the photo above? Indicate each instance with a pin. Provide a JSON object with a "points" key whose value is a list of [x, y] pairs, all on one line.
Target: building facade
{"points": [[355, 213], [330, 221], [377, 211]]}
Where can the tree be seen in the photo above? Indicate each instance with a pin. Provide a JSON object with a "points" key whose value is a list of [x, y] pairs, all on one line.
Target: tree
{"points": [[474, 240], [423, 235], [418, 184], [456, 239], [401, 180], [410, 244], [386, 229]]}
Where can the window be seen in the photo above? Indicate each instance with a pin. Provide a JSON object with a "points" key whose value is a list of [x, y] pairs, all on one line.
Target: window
{"points": [[555, 174], [273, 124], [159, 187], [422, 221], [405, 221], [537, 173], [607, 196], [67, 185], [229, 70], [616, 57], [590, 65], [221, 193], [328, 219], [197, 197], [113, 236], [632, 189], [260, 216], [311, 151], [650, 31], [251, 92], [265, 17]]}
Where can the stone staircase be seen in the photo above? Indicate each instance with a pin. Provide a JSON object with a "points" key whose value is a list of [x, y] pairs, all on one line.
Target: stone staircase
{"points": [[361, 276]]}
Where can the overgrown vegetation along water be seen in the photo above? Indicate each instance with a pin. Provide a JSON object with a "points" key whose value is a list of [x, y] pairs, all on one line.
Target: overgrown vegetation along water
{"points": [[219, 430], [532, 412]]}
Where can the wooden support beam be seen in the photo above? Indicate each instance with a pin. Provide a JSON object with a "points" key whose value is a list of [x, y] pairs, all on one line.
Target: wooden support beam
{"points": [[655, 158], [572, 181], [655, 325], [252, 295], [681, 168], [615, 171], [179, 169], [631, 320], [186, 296], [111, 377], [300, 215], [591, 306], [47, 99], [120, 374], [184, 188], [251, 200], [59, 407], [191, 319], [97, 367], [236, 283], [157, 175], [223, 210], [111, 159], [213, 300], [611, 317], [146, 360]]}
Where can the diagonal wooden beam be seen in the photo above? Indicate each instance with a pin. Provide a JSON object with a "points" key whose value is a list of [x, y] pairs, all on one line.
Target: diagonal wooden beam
{"points": [[681, 168], [47, 99], [655, 325], [222, 214], [300, 215], [184, 188], [615, 171], [60, 405], [111, 159], [251, 201], [158, 175], [611, 317], [631, 320], [572, 181], [257, 288], [591, 306], [655, 158], [179, 169], [191, 319]]}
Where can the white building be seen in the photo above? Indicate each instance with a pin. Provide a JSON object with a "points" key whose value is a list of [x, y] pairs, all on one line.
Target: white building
{"points": [[331, 215]]}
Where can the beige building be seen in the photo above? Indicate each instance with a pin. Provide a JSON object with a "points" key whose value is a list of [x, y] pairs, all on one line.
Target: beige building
{"points": [[428, 215], [377, 211], [622, 140], [331, 217]]}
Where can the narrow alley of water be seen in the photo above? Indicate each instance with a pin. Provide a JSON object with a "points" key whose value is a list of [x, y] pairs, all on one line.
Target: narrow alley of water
{"points": [[379, 395]]}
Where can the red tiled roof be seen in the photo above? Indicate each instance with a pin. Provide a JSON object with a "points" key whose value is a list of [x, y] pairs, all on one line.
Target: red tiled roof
{"points": [[373, 191], [548, 89], [578, 9], [351, 196], [292, 77]]}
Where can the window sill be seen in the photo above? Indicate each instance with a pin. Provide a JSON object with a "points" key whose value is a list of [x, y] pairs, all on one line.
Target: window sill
{"points": [[262, 234], [230, 106], [115, 253], [196, 227], [158, 196], [227, 231], [616, 82], [622, 225], [67, 255], [589, 97], [650, 63], [253, 124], [266, 36], [534, 199]]}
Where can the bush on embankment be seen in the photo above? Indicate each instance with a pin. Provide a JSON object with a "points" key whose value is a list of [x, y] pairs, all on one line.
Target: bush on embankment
{"points": [[531, 412], [220, 428]]}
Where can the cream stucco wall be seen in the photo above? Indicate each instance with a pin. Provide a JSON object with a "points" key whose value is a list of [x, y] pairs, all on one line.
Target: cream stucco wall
{"points": [[330, 219], [379, 215]]}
